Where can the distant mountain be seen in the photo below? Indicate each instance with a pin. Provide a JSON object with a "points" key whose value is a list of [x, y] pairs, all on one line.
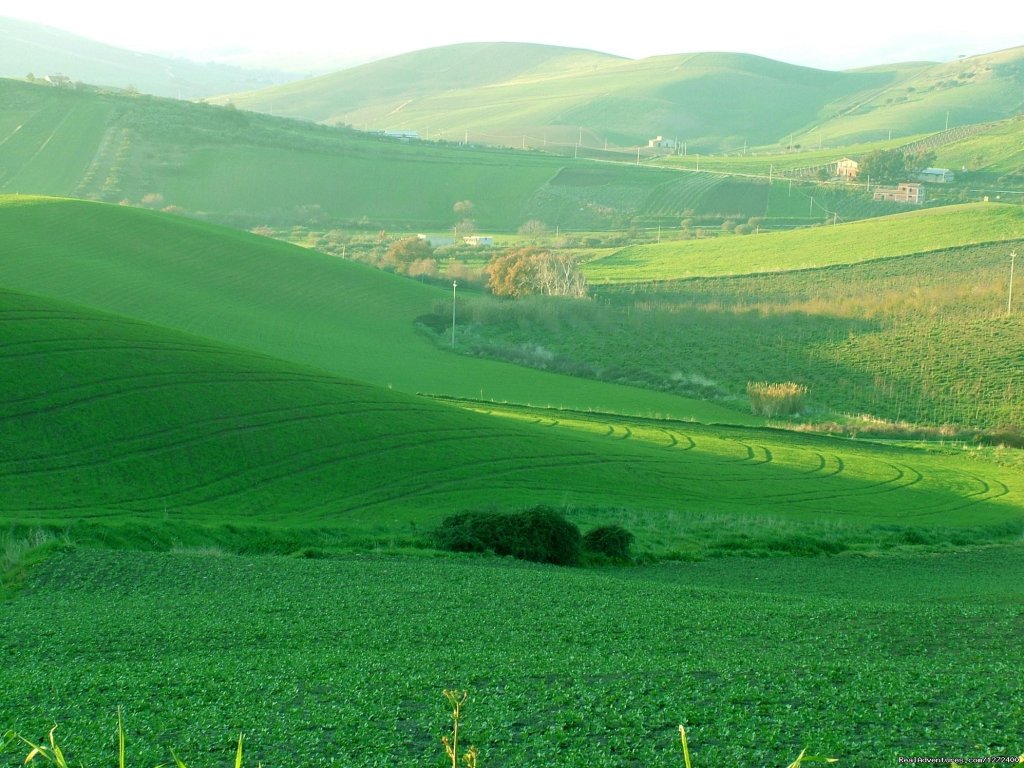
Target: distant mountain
{"points": [[27, 48], [519, 94]]}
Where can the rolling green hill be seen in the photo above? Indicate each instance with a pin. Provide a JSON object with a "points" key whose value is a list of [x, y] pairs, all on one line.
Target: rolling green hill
{"points": [[27, 48], [253, 292], [122, 423], [124, 433], [713, 101], [975, 89]]}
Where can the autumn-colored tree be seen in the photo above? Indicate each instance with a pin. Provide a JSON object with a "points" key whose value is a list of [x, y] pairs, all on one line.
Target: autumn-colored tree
{"points": [[526, 271], [513, 273], [402, 253]]}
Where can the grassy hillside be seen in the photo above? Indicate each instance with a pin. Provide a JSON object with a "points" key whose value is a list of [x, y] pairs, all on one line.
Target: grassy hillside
{"points": [[133, 433], [328, 662], [246, 169], [970, 90], [556, 99], [709, 100], [129, 434], [281, 300], [27, 48], [900, 235]]}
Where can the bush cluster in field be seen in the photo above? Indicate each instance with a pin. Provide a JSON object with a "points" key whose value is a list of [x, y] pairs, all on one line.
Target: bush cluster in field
{"points": [[539, 534]]}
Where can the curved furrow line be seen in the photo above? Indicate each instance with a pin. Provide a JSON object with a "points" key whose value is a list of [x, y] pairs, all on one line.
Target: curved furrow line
{"points": [[240, 425], [626, 433], [253, 477], [177, 380], [673, 441], [490, 481], [88, 345], [966, 501]]}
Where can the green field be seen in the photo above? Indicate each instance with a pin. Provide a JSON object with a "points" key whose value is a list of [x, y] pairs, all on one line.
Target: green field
{"points": [[343, 661], [136, 436], [850, 243], [921, 338], [232, 453]]}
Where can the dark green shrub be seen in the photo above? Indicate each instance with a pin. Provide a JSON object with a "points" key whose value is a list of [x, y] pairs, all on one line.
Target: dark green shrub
{"points": [[609, 540], [539, 534]]}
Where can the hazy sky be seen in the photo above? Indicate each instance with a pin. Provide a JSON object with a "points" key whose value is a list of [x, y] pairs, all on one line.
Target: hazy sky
{"points": [[827, 35]]}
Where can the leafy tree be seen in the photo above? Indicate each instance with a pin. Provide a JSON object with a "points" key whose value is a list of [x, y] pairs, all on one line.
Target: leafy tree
{"points": [[894, 164], [513, 273], [403, 253], [526, 271]]}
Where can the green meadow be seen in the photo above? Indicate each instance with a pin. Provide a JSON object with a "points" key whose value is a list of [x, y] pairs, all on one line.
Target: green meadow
{"points": [[848, 243]]}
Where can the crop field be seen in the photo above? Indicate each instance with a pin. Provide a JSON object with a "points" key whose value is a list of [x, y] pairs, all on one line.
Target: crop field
{"points": [[135, 435], [850, 243], [922, 338], [343, 661]]}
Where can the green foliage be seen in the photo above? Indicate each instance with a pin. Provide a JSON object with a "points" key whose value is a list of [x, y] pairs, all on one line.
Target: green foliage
{"points": [[610, 540], [539, 534], [316, 659], [895, 164]]}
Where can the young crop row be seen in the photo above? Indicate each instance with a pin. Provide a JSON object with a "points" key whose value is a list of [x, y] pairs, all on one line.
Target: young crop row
{"points": [[322, 661]]}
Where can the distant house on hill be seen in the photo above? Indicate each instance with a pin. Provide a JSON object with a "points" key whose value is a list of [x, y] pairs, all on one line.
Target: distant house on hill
{"points": [[660, 142], [61, 81], [403, 135], [936, 175], [904, 192], [847, 168]]}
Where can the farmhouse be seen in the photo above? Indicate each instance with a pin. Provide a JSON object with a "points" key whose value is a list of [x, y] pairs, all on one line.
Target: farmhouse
{"points": [[485, 240], [660, 142], [904, 192], [847, 168], [936, 175], [403, 135], [61, 81]]}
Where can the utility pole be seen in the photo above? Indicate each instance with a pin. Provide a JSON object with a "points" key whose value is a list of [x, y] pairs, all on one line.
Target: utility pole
{"points": [[455, 285], [1009, 298]]}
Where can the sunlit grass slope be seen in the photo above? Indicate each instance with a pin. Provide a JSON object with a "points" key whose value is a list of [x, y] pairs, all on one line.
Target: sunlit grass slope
{"points": [[132, 432], [975, 89], [122, 432], [898, 235], [261, 294]]}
